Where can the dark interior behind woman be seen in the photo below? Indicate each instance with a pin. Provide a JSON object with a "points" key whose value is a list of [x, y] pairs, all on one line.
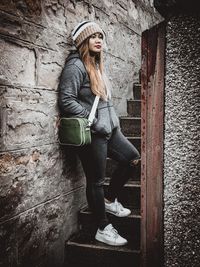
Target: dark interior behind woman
{"points": [[83, 78]]}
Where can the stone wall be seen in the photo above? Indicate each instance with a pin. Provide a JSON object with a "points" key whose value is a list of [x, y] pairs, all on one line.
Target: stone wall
{"points": [[182, 142], [42, 186]]}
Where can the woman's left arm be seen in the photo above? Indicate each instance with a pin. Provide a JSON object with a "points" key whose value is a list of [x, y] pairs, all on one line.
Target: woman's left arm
{"points": [[70, 83]]}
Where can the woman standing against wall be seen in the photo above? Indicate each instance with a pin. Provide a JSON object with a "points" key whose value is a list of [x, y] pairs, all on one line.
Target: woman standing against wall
{"points": [[82, 79]]}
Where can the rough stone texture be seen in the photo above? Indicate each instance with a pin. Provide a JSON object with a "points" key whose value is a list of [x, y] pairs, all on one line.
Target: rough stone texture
{"points": [[35, 175], [37, 237], [42, 186], [29, 117], [45, 27], [17, 63], [182, 143]]}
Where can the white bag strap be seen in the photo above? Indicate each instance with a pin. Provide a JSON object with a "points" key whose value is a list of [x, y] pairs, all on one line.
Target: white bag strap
{"points": [[93, 110]]}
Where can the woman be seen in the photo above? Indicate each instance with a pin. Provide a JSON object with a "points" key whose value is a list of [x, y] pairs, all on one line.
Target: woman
{"points": [[82, 79]]}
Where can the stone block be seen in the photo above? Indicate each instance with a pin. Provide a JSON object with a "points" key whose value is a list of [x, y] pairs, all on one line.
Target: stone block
{"points": [[37, 236], [50, 65], [123, 43], [33, 34], [17, 63], [29, 118], [54, 14], [30, 9], [36, 175]]}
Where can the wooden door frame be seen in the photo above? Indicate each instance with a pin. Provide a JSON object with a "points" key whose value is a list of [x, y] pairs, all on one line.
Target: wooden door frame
{"points": [[152, 138]]}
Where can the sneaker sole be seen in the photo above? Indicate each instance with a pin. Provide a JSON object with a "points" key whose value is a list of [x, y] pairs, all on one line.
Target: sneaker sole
{"points": [[110, 242], [121, 216]]}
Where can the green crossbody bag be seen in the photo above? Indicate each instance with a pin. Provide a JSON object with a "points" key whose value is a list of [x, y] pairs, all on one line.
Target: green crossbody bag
{"points": [[76, 131]]}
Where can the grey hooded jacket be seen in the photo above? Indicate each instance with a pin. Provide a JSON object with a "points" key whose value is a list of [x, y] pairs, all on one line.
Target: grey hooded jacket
{"points": [[76, 98]]}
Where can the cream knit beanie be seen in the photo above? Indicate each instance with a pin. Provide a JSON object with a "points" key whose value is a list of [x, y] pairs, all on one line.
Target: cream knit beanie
{"points": [[83, 30]]}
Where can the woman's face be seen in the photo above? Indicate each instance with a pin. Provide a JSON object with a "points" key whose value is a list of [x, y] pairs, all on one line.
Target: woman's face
{"points": [[96, 42]]}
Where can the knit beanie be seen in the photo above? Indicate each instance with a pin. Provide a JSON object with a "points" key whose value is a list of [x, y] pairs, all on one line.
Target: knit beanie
{"points": [[83, 30]]}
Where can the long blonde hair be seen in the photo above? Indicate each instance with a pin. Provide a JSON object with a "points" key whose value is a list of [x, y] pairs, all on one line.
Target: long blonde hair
{"points": [[96, 75]]}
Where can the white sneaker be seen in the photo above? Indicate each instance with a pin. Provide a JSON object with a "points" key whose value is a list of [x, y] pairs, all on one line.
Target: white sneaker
{"points": [[117, 209], [110, 236]]}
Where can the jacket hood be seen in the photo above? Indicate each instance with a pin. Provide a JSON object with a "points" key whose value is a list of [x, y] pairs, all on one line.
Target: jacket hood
{"points": [[72, 55]]}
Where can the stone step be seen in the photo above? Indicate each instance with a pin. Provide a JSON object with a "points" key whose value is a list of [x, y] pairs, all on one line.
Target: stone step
{"points": [[111, 165], [137, 91], [131, 126], [82, 250], [136, 141], [128, 227], [134, 108], [130, 194]]}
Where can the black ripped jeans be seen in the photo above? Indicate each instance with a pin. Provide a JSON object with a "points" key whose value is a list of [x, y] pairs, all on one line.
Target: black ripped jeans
{"points": [[93, 158]]}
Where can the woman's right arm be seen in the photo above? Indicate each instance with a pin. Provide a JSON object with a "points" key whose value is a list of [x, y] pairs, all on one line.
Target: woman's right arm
{"points": [[70, 83]]}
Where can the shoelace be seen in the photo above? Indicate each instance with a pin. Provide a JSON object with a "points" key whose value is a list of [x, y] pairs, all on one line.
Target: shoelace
{"points": [[118, 205], [114, 231]]}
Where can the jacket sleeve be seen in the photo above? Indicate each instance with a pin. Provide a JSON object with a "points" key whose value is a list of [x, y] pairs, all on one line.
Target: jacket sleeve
{"points": [[70, 83]]}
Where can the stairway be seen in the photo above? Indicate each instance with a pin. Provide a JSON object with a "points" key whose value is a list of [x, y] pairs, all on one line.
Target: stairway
{"points": [[82, 249]]}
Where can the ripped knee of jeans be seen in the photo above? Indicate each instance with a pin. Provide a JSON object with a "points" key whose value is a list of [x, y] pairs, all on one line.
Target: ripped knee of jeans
{"points": [[135, 162], [99, 183]]}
